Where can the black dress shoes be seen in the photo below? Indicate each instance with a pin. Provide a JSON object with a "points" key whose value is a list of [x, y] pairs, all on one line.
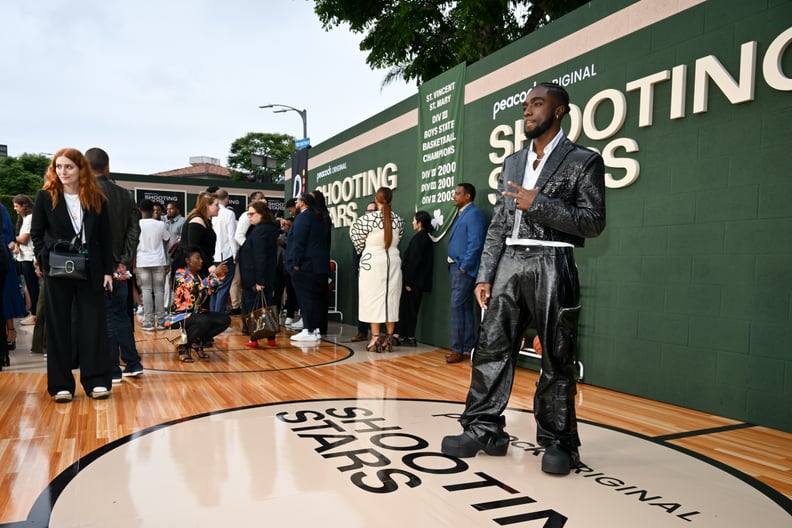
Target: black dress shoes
{"points": [[558, 460], [466, 446]]}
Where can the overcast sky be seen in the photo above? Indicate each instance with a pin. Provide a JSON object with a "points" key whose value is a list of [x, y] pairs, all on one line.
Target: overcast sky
{"points": [[155, 82]]}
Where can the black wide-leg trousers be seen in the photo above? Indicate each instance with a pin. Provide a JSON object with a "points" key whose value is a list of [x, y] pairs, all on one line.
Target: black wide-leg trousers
{"points": [[76, 336], [533, 286]]}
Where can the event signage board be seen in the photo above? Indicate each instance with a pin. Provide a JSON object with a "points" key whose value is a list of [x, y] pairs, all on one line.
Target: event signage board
{"points": [[441, 105]]}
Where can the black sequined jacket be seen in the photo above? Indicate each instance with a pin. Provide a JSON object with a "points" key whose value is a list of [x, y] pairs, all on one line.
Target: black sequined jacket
{"points": [[570, 205]]}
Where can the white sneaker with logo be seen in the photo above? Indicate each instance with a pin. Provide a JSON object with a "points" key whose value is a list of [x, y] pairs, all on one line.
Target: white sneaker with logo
{"points": [[305, 335]]}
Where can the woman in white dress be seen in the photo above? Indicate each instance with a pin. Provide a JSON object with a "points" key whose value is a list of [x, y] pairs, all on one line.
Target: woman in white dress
{"points": [[376, 237]]}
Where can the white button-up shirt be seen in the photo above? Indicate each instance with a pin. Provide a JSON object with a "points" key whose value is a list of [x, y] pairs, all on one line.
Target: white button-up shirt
{"points": [[225, 227]]}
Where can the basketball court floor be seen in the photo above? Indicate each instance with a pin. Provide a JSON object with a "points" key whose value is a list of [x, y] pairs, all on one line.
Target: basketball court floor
{"points": [[332, 435]]}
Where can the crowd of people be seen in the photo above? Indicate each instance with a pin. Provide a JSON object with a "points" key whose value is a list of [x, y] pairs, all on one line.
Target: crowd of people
{"points": [[191, 272], [519, 269], [123, 259]]}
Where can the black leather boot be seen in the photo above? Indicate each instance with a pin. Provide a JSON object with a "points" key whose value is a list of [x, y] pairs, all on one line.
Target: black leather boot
{"points": [[559, 460]]}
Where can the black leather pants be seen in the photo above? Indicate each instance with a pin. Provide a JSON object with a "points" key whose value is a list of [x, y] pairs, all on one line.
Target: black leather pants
{"points": [[537, 287]]}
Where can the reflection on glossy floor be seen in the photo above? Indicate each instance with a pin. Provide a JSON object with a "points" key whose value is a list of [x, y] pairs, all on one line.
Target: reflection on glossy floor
{"points": [[217, 442]]}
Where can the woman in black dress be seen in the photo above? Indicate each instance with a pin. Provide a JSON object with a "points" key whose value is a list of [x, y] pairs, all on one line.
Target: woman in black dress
{"points": [[197, 230], [416, 277]]}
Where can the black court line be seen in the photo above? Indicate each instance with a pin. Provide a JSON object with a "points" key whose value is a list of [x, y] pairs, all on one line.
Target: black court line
{"points": [[701, 432], [349, 354]]}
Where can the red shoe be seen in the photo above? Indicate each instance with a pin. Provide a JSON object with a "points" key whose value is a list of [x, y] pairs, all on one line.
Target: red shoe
{"points": [[271, 341], [252, 344]]}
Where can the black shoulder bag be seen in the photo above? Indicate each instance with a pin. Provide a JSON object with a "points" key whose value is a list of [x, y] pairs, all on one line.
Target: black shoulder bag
{"points": [[69, 259]]}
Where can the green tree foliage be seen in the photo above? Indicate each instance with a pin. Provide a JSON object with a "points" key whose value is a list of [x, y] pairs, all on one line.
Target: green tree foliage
{"points": [[274, 146], [23, 174], [420, 39]]}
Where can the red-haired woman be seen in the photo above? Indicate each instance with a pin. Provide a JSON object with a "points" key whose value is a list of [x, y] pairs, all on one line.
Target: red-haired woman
{"points": [[376, 239], [70, 206]]}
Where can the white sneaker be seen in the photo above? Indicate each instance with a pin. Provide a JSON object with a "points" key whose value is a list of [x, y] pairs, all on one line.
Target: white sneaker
{"points": [[63, 397], [99, 393], [288, 321], [29, 320], [297, 325], [305, 335]]}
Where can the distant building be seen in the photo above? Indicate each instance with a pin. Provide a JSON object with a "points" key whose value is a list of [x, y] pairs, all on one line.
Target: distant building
{"points": [[202, 168]]}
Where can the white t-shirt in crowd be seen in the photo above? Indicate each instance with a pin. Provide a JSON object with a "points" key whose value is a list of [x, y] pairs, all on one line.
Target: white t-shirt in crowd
{"points": [[151, 248], [26, 250]]}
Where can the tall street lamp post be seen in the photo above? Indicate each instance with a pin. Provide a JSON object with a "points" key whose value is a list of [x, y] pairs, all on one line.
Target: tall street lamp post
{"points": [[287, 108]]}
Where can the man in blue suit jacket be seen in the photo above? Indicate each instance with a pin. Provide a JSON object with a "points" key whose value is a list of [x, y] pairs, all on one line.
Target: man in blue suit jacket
{"points": [[464, 255]]}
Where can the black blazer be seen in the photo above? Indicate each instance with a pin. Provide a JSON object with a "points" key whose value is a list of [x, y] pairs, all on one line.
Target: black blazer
{"points": [[49, 225], [258, 257], [417, 263], [570, 206], [307, 244]]}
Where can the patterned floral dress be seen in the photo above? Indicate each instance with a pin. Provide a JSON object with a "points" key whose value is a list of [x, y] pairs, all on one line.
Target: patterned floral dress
{"points": [[189, 294]]}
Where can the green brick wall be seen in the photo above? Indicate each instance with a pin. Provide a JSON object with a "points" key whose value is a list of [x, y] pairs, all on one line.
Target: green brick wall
{"points": [[699, 249], [687, 295]]}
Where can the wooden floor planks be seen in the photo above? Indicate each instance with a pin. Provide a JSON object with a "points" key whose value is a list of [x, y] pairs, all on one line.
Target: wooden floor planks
{"points": [[39, 439]]}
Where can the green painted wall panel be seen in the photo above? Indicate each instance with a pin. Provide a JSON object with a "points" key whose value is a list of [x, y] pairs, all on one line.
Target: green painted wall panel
{"points": [[693, 300], [732, 368], [772, 271], [733, 203], [663, 327], [766, 407], [643, 241], [772, 340], [765, 375], [618, 269], [696, 239], [666, 270], [730, 398], [670, 210], [775, 200], [707, 330], [764, 304], [687, 296], [641, 296], [772, 236], [730, 270], [702, 173], [613, 322]]}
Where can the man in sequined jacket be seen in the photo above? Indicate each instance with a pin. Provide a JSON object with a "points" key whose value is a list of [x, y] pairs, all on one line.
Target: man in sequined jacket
{"points": [[551, 197]]}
